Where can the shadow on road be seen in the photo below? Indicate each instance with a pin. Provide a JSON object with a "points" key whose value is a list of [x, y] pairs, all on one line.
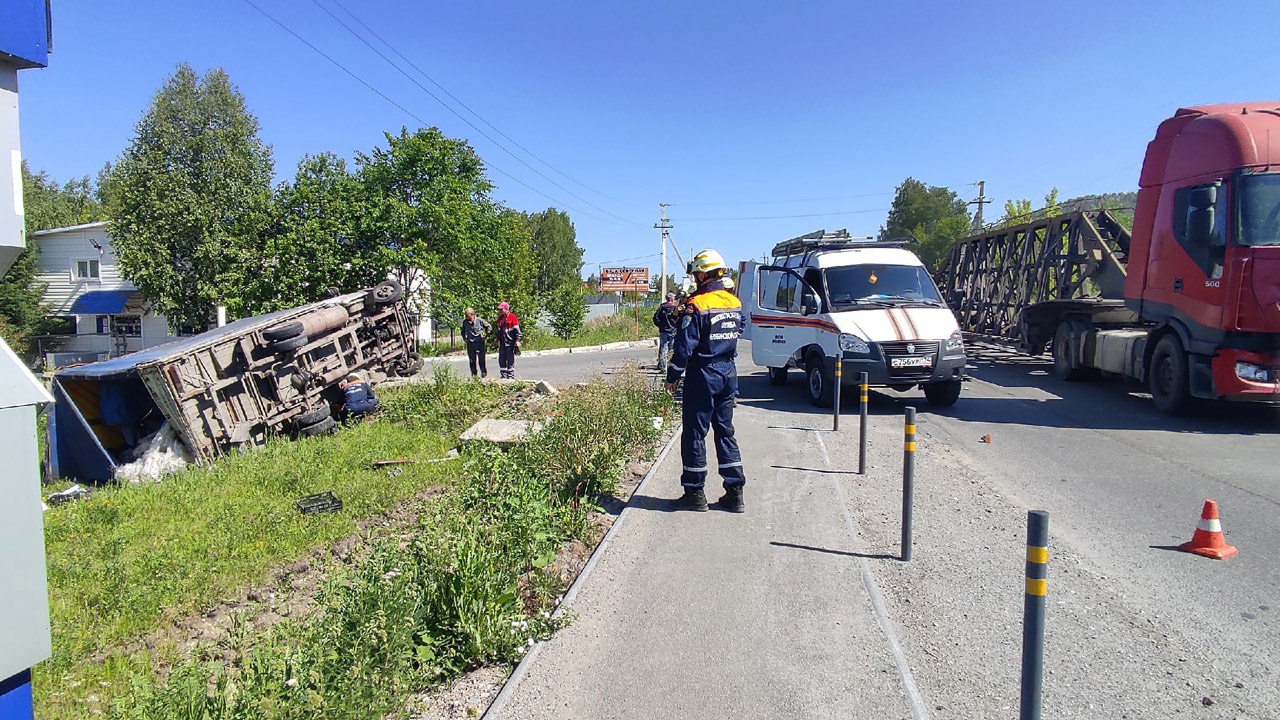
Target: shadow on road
{"points": [[810, 548]]}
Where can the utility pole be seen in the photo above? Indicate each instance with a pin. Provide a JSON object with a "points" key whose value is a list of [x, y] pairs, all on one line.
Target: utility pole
{"points": [[982, 200], [665, 227]]}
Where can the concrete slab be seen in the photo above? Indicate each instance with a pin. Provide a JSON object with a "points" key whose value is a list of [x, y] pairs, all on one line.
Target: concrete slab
{"points": [[500, 432]]}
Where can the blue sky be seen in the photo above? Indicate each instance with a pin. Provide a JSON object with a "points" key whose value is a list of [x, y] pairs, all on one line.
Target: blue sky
{"points": [[731, 111]]}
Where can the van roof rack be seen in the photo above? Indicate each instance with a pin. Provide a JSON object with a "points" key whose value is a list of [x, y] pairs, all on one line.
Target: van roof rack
{"points": [[835, 240]]}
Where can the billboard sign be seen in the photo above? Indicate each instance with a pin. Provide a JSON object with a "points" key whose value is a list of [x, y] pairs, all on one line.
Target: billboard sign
{"points": [[624, 279]]}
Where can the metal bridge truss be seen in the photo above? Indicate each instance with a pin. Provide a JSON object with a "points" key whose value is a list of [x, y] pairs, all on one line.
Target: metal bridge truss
{"points": [[1071, 261]]}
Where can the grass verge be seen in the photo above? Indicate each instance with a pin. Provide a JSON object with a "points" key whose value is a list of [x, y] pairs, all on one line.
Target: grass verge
{"points": [[617, 328], [130, 560]]}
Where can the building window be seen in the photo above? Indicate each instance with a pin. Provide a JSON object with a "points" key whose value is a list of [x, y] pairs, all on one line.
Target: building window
{"points": [[86, 269], [62, 325], [126, 325]]}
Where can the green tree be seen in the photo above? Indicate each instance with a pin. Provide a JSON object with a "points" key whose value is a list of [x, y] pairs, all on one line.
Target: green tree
{"points": [[568, 308], [316, 242], [190, 197], [556, 255], [935, 216], [47, 205], [432, 221], [1017, 212]]}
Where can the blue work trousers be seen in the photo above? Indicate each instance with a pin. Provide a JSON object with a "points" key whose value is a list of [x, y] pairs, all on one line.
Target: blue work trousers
{"points": [[708, 403], [665, 342]]}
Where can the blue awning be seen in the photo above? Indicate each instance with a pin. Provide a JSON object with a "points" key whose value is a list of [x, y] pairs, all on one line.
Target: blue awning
{"points": [[102, 302]]}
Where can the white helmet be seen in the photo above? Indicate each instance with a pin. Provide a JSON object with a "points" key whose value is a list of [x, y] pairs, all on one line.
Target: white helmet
{"points": [[706, 261]]}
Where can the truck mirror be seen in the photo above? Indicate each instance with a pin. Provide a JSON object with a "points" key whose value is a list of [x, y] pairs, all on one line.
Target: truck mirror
{"points": [[1200, 225], [809, 304]]}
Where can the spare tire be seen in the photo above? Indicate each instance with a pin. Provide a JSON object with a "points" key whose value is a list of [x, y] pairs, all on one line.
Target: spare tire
{"points": [[313, 416], [387, 292], [324, 426], [282, 332], [283, 346]]}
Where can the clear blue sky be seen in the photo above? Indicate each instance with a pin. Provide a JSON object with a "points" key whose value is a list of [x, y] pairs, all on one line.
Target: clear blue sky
{"points": [[727, 110]]}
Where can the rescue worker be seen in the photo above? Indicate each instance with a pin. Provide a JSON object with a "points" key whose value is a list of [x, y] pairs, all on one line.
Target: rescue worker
{"points": [[705, 348], [508, 330], [357, 396], [664, 318]]}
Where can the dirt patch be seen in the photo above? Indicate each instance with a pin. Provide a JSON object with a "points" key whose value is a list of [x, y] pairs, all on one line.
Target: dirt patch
{"points": [[467, 697]]}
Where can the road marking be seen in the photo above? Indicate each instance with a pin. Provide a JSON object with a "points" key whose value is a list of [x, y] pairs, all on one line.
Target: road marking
{"points": [[914, 699]]}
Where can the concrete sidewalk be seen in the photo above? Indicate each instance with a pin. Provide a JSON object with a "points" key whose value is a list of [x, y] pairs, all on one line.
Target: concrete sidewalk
{"points": [[715, 615]]}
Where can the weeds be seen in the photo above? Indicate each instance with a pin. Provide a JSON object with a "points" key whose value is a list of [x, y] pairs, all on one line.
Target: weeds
{"points": [[468, 586]]}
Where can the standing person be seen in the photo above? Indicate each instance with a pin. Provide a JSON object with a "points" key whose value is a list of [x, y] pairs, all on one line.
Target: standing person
{"points": [[474, 331], [705, 348], [508, 340], [664, 318]]}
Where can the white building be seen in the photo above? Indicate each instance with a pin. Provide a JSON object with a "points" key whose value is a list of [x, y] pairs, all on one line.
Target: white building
{"points": [[103, 312]]}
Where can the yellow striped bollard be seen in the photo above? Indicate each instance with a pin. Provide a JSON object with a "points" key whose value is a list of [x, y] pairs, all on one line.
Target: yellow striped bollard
{"points": [[835, 419], [862, 427], [908, 479], [1033, 614]]}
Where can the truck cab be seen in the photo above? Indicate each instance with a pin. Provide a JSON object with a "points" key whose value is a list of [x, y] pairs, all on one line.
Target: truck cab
{"points": [[1204, 265], [872, 305]]}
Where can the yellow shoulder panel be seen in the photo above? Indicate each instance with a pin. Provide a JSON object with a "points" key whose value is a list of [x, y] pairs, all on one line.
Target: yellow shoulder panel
{"points": [[716, 300]]}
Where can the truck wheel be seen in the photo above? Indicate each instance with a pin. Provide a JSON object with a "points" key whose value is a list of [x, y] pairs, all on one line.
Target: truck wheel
{"points": [[280, 347], [821, 391], [943, 394], [387, 292], [1168, 377], [313, 416], [1064, 366], [778, 376], [282, 332], [324, 426]]}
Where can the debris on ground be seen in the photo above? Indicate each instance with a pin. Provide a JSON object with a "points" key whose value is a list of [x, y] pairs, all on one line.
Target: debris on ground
{"points": [[545, 388], [451, 455], [401, 461], [159, 454], [499, 432], [75, 492], [324, 502], [985, 439]]}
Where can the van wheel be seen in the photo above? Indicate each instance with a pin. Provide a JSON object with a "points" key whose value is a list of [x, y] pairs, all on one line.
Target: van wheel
{"points": [[1168, 376], [778, 376], [821, 391], [942, 394]]}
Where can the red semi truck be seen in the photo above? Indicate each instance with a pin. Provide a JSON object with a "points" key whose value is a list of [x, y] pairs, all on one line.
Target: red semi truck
{"points": [[1188, 303]]}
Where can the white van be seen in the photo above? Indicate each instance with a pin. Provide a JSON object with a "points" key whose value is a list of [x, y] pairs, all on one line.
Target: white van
{"points": [[872, 302]]}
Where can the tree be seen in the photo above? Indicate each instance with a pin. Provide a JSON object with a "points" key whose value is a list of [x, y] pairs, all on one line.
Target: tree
{"points": [[431, 219], [47, 205], [316, 241], [935, 216], [556, 254], [1017, 212], [190, 197], [568, 308]]}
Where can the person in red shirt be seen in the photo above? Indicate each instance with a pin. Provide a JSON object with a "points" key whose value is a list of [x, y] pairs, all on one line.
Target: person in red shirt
{"points": [[508, 331]]}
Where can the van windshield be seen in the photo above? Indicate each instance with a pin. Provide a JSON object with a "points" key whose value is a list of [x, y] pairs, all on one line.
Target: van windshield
{"points": [[881, 284], [1259, 209]]}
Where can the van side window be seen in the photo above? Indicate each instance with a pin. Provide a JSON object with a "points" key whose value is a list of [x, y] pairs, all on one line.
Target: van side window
{"points": [[1200, 224], [778, 290]]}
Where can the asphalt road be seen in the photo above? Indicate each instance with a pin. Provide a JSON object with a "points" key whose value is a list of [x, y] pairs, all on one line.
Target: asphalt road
{"points": [[562, 370], [770, 615]]}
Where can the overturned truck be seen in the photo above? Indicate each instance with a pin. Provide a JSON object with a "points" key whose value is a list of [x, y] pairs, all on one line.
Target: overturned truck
{"points": [[230, 387]]}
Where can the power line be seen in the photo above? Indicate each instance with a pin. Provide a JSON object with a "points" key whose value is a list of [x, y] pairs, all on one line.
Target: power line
{"points": [[455, 98], [786, 217], [460, 116], [781, 202], [409, 112]]}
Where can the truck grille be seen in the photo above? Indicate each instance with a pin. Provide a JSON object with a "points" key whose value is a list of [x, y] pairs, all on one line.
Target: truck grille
{"points": [[910, 349]]}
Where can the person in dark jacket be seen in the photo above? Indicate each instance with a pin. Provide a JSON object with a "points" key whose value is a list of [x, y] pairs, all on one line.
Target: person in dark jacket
{"points": [[508, 329], [474, 332], [705, 350], [357, 396], [664, 318]]}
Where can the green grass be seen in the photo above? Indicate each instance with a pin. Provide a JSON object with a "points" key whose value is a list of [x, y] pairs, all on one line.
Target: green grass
{"points": [[471, 585], [616, 328], [128, 560]]}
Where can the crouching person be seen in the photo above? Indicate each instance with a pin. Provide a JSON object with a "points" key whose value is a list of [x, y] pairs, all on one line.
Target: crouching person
{"points": [[358, 398]]}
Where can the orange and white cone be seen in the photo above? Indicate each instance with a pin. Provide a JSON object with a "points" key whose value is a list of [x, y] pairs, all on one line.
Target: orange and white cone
{"points": [[1208, 540]]}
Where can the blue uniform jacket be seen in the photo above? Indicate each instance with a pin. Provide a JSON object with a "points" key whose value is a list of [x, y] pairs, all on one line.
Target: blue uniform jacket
{"points": [[708, 330]]}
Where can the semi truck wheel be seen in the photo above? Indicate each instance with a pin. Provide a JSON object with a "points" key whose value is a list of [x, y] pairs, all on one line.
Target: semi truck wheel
{"points": [[778, 376], [943, 394], [821, 392], [1064, 365], [313, 416], [1168, 377]]}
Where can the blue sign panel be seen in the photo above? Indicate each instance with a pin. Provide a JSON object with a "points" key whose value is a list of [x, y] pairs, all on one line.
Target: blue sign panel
{"points": [[24, 33]]}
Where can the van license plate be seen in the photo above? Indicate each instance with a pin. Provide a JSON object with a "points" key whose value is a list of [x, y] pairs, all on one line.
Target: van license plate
{"points": [[911, 362]]}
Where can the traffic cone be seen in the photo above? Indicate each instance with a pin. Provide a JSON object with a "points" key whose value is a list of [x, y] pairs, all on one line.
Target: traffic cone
{"points": [[1208, 540]]}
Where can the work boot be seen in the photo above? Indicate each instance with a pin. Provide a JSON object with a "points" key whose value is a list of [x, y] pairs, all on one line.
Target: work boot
{"points": [[693, 499], [731, 501]]}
